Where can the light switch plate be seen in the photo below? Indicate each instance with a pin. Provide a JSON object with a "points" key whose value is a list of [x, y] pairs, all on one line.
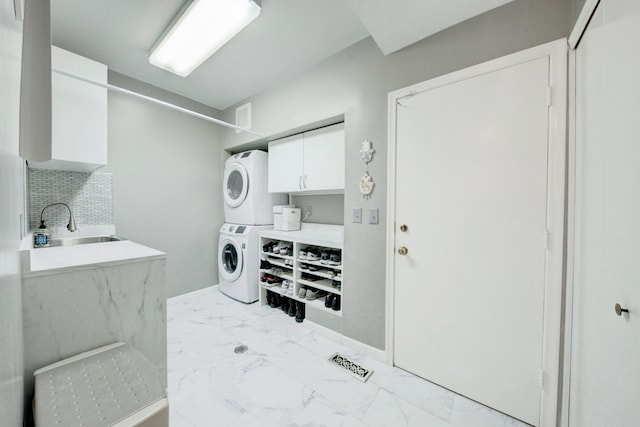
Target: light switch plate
{"points": [[374, 217], [357, 215]]}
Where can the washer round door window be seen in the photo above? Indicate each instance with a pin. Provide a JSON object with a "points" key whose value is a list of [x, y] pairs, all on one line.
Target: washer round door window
{"points": [[230, 261], [236, 184]]}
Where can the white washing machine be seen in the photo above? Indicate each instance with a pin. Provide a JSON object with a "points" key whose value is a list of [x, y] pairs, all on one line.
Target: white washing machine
{"points": [[238, 266], [246, 196]]}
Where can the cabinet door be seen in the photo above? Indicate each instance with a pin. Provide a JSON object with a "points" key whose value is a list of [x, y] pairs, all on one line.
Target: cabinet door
{"points": [[79, 113], [324, 159], [285, 165]]}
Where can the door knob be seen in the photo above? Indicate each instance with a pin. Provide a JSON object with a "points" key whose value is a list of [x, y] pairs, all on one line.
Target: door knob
{"points": [[403, 251], [620, 310], [404, 228]]}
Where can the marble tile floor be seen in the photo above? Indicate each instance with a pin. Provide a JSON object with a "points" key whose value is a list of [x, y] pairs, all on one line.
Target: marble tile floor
{"points": [[284, 379]]}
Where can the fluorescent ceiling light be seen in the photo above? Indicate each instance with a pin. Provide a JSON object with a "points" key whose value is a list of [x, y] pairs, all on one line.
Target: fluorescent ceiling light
{"points": [[198, 31]]}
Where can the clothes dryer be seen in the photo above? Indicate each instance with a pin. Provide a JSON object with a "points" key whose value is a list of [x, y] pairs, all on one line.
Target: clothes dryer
{"points": [[246, 197], [238, 256]]}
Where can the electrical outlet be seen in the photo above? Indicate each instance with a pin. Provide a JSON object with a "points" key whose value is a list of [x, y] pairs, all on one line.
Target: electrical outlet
{"points": [[374, 216], [357, 215]]}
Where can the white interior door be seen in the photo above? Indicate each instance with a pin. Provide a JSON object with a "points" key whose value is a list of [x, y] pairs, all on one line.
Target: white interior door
{"points": [[472, 187], [605, 364]]}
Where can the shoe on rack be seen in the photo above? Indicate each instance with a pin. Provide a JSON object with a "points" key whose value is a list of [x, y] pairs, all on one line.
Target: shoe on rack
{"points": [[285, 285], [285, 304], [313, 254], [302, 254], [304, 266], [335, 304], [335, 258], [314, 268], [263, 277], [302, 292], [290, 251], [290, 290], [269, 298], [328, 300], [264, 264], [324, 257], [312, 294], [299, 311], [268, 247], [292, 308]]}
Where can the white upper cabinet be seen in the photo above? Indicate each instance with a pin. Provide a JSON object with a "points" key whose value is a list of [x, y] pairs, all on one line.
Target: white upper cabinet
{"points": [[285, 165], [79, 115], [312, 162]]}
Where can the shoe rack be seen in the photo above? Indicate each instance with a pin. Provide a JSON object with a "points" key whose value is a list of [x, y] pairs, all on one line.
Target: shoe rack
{"points": [[323, 276]]}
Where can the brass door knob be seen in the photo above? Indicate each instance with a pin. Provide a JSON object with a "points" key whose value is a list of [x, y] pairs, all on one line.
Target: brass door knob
{"points": [[620, 310], [403, 250], [404, 228]]}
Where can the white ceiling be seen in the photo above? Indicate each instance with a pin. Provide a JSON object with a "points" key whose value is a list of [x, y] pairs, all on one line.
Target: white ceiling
{"points": [[287, 38], [395, 24]]}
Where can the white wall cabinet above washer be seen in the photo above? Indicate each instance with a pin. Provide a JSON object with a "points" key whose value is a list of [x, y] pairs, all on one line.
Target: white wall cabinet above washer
{"points": [[79, 115], [312, 162]]}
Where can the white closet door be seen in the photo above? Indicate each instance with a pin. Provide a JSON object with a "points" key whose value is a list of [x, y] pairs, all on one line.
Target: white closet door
{"points": [[471, 186], [605, 367]]}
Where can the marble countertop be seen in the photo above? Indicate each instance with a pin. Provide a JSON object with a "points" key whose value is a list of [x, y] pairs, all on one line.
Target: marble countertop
{"points": [[313, 234], [42, 261]]}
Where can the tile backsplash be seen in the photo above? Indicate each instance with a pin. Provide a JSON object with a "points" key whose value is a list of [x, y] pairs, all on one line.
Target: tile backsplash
{"points": [[90, 196]]}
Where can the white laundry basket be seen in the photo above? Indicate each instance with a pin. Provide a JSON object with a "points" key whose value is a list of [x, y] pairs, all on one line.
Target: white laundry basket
{"points": [[113, 385]]}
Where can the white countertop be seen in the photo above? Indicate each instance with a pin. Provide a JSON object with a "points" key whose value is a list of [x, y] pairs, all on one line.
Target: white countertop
{"points": [[313, 234], [58, 259]]}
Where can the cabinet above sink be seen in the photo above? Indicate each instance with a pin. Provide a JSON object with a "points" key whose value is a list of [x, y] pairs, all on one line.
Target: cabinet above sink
{"points": [[78, 113]]}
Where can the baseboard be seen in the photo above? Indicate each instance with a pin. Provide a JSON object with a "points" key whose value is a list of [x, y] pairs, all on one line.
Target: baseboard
{"points": [[366, 349]]}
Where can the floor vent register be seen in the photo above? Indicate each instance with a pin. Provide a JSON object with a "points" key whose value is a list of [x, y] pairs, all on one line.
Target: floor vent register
{"points": [[360, 372]]}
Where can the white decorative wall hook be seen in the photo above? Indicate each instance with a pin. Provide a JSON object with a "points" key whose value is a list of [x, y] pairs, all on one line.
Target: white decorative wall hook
{"points": [[366, 182]]}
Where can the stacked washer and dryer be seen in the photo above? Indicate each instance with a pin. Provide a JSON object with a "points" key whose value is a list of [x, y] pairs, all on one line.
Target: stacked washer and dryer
{"points": [[248, 209]]}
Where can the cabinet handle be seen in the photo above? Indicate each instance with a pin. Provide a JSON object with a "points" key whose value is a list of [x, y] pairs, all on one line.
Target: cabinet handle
{"points": [[300, 182], [304, 182], [403, 251]]}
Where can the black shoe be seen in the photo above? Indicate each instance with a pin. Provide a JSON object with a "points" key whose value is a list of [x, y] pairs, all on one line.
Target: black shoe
{"points": [[335, 305], [299, 311], [328, 300], [269, 298], [265, 265], [285, 304], [277, 300], [292, 308]]}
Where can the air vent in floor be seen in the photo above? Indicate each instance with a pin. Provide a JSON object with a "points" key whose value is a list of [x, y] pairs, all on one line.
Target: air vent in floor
{"points": [[360, 372]]}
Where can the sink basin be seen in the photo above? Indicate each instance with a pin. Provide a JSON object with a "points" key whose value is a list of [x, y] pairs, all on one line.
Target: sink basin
{"points": [[72, 241]]}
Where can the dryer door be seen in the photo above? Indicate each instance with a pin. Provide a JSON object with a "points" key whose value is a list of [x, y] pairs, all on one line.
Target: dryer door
{"points": [[230, 262], [236, 184]]}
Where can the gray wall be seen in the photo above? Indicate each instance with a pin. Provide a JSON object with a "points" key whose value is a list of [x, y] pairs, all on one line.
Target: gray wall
{"points": [[167, 182], [576, 8], [356, 82], [325, 209], [11, 206]]}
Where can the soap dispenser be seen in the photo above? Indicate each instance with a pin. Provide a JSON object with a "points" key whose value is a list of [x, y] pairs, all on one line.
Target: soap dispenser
{"points": [[42, 236]]}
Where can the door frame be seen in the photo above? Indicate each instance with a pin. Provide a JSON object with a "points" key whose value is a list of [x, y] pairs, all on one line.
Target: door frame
{"points": [[556, 193]]}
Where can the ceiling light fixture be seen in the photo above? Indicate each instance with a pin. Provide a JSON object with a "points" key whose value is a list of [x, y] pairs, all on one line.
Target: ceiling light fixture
{"points": [[198, 31]]}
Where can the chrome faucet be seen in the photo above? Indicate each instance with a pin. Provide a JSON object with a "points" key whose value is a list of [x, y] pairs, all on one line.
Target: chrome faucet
{"points": [[72, 222]]}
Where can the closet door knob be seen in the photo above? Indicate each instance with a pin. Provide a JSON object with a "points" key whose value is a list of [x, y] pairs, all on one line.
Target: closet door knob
{"points": [[403, 251], [404, 228], [620, 310]]}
